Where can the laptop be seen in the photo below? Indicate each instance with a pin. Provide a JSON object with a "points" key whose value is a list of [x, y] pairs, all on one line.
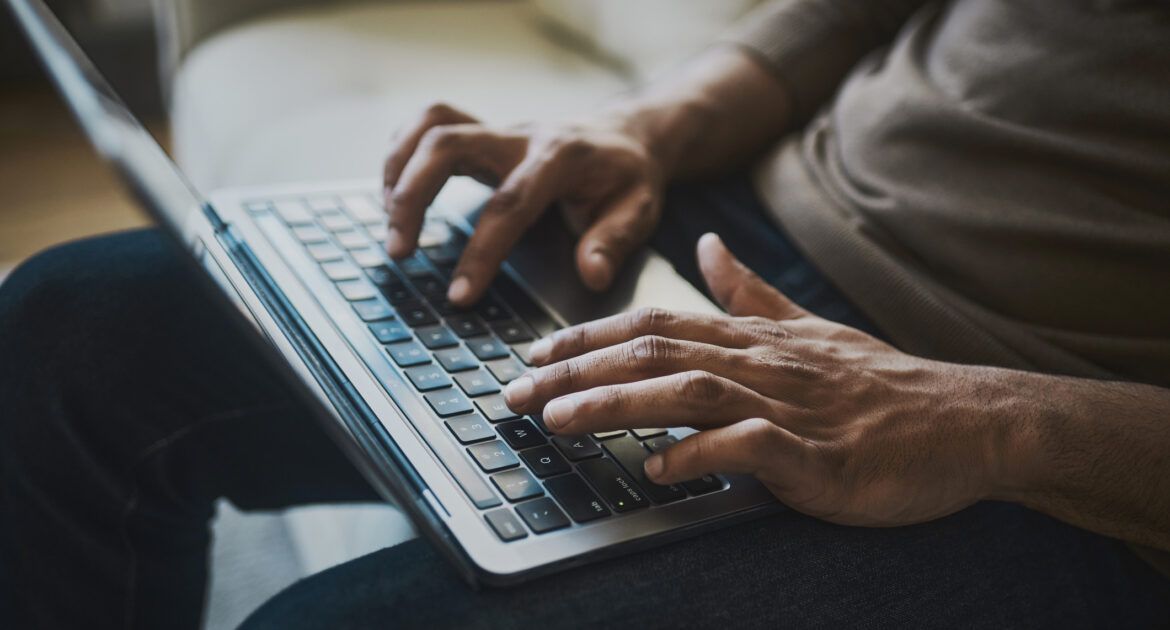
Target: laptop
{"points": [[407, 385]]}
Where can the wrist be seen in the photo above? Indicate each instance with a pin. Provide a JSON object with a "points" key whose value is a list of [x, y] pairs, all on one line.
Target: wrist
{"points": [[666, 127], [1013, 413]]}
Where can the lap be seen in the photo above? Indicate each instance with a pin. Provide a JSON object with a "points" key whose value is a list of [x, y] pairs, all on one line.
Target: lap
{"points": [[993, 565]]}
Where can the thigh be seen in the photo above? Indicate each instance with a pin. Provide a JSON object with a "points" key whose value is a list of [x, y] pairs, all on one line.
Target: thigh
{"points": [[993, 565], [731, 209]]}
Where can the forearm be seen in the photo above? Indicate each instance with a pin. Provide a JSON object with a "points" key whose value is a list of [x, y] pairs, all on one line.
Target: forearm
{"points": [[716, 114], [1092, 453]]}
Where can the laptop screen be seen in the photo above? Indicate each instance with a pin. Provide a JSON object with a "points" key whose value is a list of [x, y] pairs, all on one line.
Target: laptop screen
{"points": [[115, 132]]}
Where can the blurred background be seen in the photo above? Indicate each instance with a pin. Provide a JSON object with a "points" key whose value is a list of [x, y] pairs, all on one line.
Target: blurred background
{"points": [[252, 92]]}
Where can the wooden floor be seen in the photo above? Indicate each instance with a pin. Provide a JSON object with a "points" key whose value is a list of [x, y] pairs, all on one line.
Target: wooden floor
{"points": [[53, 185]]}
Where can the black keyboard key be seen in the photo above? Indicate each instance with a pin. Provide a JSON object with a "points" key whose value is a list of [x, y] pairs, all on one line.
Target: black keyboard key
{"points": [[415, 313], [444, 254], [490, 309], [397, 292], [442, 305], [495, 408], [643, 434], [659, 444], [524, 351], [506, 525], [372, 310], [456, 359], [382, 276], [521, 434], [477, 383], [630, 454], [438, 336], [429, 283], [517, 485], [470, 428], [613, 484], [511, 331], [576, 447], [414, 265], [505, 370], [542, 515], [703, 485], [545, 461], [389, 331], [448, 402], [408, 353], [487, 348], [493, 456], [428, 377], [539, 421], [466, 325], [575, 496]]}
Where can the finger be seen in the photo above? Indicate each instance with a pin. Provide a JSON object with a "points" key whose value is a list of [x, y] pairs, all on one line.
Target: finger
{"points": [[521, 198], [738, 288], [642, 358], [695, 399], [753, 447], [407, 141], [718, 330], [621, 228], [442, 152]]}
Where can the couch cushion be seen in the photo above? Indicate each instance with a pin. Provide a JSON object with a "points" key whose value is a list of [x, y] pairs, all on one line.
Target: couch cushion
{"points": [[316, 93]]}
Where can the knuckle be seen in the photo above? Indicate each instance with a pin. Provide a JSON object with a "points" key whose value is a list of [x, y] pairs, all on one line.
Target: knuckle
{"points": [[699, 387], [569, 146], [437, 139], [565, 374], [650, 350], [438, 111], [505, 201], [650, 320]]}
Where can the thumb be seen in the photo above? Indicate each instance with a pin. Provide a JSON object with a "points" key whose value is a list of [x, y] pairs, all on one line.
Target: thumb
{"points": [[737, 288], [621, 228]]}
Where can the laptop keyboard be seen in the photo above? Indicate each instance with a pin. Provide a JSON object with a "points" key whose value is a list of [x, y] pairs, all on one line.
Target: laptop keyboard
{"points": [[459, 360]]}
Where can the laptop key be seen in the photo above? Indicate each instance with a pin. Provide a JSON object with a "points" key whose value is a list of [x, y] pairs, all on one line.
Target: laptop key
{"points": [[309, 234], [538, 420], [659, 444], [524, 352], [577, 498], [505, 370], [613, 485], [545, 461], [429, 283], [354, 290], [607, 435], [542, 515], [434, 337], [398, 293], [456, 359], [382, 276], [341, 270], [293, 212], [389, 331], [407, 354], [414, 265], [576, 447], [325, 252], [367, 258], [415, 313], [470, 429], [703, 485], [506, 525], [466, 325], [448, 402], [511, 331], [521, 434], [352, 239], [493, 456], [642, 434], [426, 378], [336, 222], [494, 408], [477, 383], [517, 485], [491, 310], [487, 348], [373, 310], [630, 454]]}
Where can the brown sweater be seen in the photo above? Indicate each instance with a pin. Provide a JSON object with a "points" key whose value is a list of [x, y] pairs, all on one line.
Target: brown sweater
{"points": [[989, 180]]}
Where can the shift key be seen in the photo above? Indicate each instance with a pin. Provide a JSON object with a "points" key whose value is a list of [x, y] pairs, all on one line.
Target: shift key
{"points": [[614, 485], [631, 454]]}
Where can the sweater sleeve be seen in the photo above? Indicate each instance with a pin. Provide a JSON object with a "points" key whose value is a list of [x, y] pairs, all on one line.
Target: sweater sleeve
{"points": [[812, 44]]}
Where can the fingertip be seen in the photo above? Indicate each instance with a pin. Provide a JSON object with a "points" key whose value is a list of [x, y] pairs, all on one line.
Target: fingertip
{"points": [[396, 244], [654, 467], [597, 270], [460, 291]]}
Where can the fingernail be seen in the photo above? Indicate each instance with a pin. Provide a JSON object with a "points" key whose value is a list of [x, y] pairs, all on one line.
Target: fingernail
{"points": [[460, 289], [559, 412], [540, 351], [653, 466], [518, 391]]}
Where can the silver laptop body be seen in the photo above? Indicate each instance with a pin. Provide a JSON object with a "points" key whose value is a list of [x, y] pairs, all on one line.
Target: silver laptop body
{"points": [[472, 476]]}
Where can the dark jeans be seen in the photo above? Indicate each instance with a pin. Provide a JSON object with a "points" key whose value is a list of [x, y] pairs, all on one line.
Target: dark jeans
{"points": [[128, 408]]}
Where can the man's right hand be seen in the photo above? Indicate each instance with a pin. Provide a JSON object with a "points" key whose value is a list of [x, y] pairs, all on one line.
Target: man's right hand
{"points": [[604, 178]]}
